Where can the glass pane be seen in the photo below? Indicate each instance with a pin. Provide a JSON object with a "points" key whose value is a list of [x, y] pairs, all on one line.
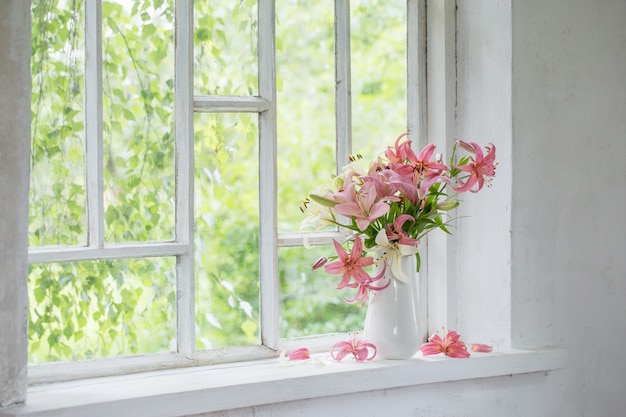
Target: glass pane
{"points": [[378, 48], [88, 310], [305, 102], [225, 47], [57, 187], [309, 302], [138, 89], [227, 230]]}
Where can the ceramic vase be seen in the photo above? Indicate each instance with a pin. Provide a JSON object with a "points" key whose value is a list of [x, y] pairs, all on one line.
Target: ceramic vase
{"points": [[391, 322]]}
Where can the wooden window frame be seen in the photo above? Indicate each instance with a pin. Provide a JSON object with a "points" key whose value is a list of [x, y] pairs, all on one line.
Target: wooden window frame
{"points": [[186, 105]]}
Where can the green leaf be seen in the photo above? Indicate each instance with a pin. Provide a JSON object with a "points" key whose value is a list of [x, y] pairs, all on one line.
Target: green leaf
{"points": [[249, 328]]}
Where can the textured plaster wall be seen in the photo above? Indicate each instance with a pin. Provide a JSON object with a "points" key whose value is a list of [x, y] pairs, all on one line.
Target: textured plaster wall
{"points": [[569, 192], [14, 165]]}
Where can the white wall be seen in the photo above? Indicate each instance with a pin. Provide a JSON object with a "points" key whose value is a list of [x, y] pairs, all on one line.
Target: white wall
{"points": [[569, 192], [14, 164], [546, 82]]}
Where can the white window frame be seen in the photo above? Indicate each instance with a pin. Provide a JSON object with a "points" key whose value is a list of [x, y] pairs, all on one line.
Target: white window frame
{"points": [[186, 105], [203, 390]]}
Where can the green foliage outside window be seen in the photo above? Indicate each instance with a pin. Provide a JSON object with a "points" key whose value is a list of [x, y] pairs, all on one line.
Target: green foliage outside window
{"points": [[94, 309]]}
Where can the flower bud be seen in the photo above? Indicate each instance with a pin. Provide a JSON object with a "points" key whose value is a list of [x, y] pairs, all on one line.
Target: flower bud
{"points": [[448, 205], [319, 263]]}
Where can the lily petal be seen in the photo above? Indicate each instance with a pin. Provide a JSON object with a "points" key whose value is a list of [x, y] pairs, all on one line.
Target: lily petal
{"points": [[299, 354], [479, 347]]}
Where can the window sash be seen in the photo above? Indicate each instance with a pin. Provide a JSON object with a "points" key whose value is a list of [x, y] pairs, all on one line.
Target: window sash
{"points": [[186, 104]]}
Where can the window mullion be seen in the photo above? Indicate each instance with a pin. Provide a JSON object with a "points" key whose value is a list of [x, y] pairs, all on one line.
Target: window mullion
{"points": [[416, 74], [94, 154], [416, 119], [343, 107], [184, 142], [441, 34], [268, 226]]}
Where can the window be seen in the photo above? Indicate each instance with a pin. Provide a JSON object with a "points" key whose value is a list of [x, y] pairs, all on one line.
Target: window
{"points": [[172, 144]]}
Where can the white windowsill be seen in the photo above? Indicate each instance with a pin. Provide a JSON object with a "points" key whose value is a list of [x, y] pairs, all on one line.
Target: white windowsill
{"points": [[212, 388]]}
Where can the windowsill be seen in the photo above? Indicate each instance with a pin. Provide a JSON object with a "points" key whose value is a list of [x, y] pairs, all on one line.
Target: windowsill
{"points": [[213, 388]]}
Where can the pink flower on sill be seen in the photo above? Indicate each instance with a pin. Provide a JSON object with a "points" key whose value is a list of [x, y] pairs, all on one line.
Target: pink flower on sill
{"points": [[360, 349], [479, 167], [479, 347], [299, 354], [450, 345]]}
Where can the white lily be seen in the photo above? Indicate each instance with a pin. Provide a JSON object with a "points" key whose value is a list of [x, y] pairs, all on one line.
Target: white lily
{"points": [[393, 254]]}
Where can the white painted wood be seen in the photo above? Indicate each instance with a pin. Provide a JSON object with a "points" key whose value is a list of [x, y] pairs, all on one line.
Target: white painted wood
{"points": [[15, 48], [94, 155], [236, 104], [441, 68], [184, 142], [206, 389], [343, 87], [112, 251], [484, 115], [68, 371], [268, 226], [416, 72], [313, 238], [417, 125]]}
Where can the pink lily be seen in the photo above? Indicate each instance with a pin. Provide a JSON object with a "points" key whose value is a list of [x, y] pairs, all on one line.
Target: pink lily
{"points": [[365, 287], [425, 166], [360, 349], [299, 354], [450, 345], [479, 167], [350, 266], [384, 189], [479, 347], [363, 204], [396, 234], [400, 152]]}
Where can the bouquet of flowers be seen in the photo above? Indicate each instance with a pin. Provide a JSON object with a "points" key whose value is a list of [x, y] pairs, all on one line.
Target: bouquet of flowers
{"points": [[391, 205]]}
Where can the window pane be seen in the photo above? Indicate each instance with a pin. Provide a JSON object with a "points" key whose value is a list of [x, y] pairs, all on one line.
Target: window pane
{"points": [[57, 188], [227, 230], [309, 302], [378, 43], [138, 90], [225, 47], [305, 103], [88, 310]]}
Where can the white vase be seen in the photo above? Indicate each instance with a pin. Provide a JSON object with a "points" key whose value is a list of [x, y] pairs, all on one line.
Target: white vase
{"points": [[391, 322]]}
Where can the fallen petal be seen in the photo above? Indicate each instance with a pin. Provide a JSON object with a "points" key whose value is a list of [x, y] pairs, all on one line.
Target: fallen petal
{"points": [[479, 347], [300, 354]]}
